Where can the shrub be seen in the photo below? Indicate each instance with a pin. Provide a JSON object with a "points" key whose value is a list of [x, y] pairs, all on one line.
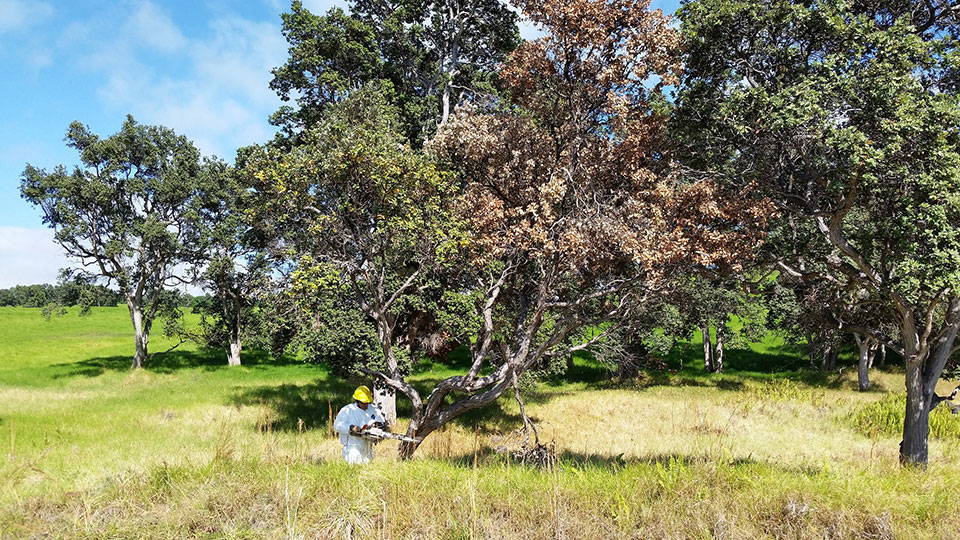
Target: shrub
{"points": [[885, 417]]}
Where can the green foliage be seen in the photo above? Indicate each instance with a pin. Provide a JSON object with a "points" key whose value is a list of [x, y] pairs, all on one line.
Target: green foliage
{"points": [[364, 224], [413, 51], [885, 417], [811, 102], [132, 214]]}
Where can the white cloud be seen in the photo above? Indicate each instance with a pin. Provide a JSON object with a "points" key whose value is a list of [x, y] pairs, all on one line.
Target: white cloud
{"points": [[18, 14], [154, 29], [215, 90], [29, 256]]}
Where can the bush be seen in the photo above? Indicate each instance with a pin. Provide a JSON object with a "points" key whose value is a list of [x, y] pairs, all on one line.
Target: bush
{"points": [[885, 417]]}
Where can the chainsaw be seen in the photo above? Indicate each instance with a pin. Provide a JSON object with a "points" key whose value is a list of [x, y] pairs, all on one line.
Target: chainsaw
{"points": [[377, 433]]}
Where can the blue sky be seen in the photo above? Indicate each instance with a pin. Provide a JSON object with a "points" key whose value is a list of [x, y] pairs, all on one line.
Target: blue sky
{"points": [[200, 67]]}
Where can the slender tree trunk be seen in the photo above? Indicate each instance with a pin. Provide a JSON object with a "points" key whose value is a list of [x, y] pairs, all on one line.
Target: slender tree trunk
{"points": [[233, 357], [141, 333], [883, 356], [718, 351], [864, 344], [707, 347]]}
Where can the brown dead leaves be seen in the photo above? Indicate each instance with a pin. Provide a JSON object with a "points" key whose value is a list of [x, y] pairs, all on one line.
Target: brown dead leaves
{"points": [[578, 176]]}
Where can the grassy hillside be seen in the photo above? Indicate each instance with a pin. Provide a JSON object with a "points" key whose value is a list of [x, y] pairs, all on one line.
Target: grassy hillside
{"points": [[192, 448]]}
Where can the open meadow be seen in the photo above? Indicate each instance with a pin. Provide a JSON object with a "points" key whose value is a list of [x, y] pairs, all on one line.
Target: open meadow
{"points": [[191, 448]]}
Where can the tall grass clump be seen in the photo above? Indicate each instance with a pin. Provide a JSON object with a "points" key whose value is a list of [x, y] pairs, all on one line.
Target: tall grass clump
{"points": [[885, 418]]}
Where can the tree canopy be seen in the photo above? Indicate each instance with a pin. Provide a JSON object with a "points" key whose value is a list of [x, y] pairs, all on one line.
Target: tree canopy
{"points": [[846, 115], [426, 57], [130, 214]]}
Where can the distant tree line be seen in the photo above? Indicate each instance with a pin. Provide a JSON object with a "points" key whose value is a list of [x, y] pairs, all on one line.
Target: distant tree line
{"points": [[67, 294], [75, 294]]}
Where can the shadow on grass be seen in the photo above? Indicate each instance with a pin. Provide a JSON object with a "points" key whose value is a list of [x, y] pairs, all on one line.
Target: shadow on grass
{"points": [[567, 459], [170, 362], [314, 403], [668, 466], [289, 404]]}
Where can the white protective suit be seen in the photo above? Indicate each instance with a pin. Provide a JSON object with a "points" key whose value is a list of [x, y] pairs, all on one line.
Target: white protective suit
{"points": [[356, 449]]}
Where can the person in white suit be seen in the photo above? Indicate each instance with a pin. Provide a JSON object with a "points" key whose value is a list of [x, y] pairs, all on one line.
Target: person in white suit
{"points": [[363, 414]]}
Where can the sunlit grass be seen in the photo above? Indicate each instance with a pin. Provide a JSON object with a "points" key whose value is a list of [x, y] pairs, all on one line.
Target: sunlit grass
{"points": [[191, 448]]}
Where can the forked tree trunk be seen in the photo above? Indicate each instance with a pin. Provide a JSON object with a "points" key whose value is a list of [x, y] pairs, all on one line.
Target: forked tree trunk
{"points": [[922, 377], [141, 333], [864, 345], [707, 347], [718, 351]]}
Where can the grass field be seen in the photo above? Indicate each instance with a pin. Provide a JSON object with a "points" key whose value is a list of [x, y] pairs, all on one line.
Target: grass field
{"points": [[189, 447]]}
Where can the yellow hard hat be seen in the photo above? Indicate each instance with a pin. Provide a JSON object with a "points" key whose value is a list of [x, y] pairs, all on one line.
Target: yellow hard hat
{"points": [[363, 395]]}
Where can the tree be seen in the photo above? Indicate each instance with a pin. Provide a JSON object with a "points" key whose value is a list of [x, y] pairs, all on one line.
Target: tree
{"points": [[846, 115], [710, 299], [236, 271], [426, 56], [575, 218], [130, 214], [356, 209]]}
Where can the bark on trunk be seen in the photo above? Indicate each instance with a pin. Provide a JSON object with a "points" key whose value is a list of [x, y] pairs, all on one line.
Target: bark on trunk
{"points": [[385, 398], [883, 356], [707, 347], [718, 351], [864, 344], [141, 333], [916, 424]]}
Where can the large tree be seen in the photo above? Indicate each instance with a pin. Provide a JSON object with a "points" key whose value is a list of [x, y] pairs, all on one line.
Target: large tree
{"points": [[236, 271], [358, 212], [574, 214], [846, 114], [130, 214], [428, 56]]}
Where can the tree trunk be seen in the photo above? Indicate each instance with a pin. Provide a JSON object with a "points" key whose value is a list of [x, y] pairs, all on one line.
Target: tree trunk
{"points": [[233, 357], [916, 424], [707, 347], [812, 351], [922, 377], [385, 398], [141, 333], [830, 354], [864, 344], [718, 351], [883, 356]]}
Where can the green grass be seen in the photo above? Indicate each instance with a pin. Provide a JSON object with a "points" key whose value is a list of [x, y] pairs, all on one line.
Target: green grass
{"points": [[189, 447]]}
